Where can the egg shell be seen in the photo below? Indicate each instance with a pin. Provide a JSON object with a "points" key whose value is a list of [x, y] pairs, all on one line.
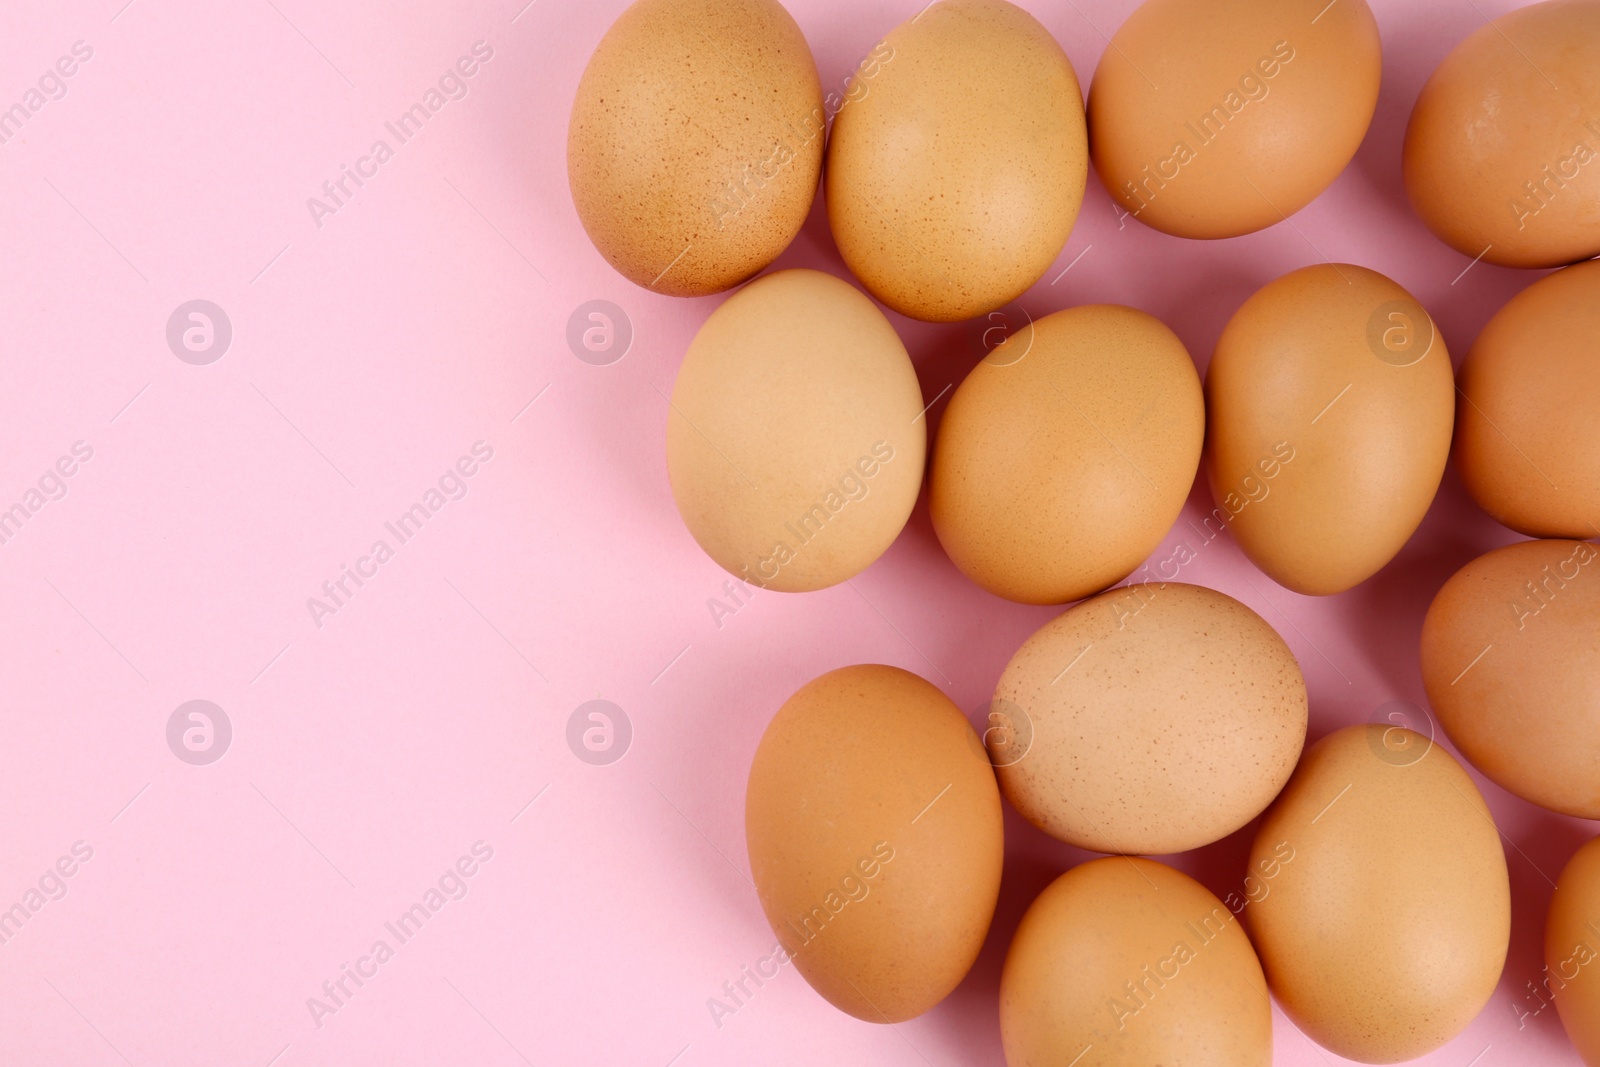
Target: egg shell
{"points": [[956, 170], [1525, 444], [1127, 963], [1502, 154], [695, 143], [1158, 718], [1572, 950], [1330, 402], [1066, 454], [795, 446], [1386, 934], [875, 836], [1216, 118], [1511, 659]]}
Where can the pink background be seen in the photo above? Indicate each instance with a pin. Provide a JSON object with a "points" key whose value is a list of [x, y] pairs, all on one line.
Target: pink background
{"points": [[371, 752]]}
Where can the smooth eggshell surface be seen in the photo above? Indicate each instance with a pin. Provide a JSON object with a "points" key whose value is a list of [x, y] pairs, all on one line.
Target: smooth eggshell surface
{"points": [[1216, 118], [794, 446], [1152, 719], [875, 838], [1502, 156], [1386, 934], [957, 164], [1330, 401], [1511, 659], [695, 143], [1526, 444], [1066, 454], [1572, 950], [1127, 963]]}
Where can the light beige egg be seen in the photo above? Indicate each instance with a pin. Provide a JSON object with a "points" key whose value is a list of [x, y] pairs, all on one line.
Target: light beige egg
{"points": [[1330, 401], [1128, 963], [955, 172], [1158, 718], [875, 836], [1066, 455], [695, 143], [795, 440], [1387, 933]]}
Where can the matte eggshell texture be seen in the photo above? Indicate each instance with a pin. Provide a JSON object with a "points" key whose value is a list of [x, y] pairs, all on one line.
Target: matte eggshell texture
{"points": [[1156, 719], [1128, 963], [1572, 950], [1502, 156], [1511, 658], [1330, 401], [1215, 118], [956, 169], [794, 445], [1526, 440], [1387, 932], [1057, 472], [876, 840], [696, 141]]}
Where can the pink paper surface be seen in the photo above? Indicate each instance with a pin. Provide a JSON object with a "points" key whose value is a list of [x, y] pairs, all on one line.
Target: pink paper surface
{"points": [[374, 746]]}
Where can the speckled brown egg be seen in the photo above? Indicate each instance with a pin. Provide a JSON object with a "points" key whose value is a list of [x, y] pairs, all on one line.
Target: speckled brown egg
{"points": [[1572, 951], [1502, 155], [1066, 455], [956, 171], [1526, 444], [795, 440], [1511, 659], [1386, 934], [1163, 717], [1128, 963], [1330, 402], [875, 838], [1215, 118], [695, 143]]}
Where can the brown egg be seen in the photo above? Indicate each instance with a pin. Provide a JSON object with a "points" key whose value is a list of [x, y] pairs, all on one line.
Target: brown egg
{"points": [[795, 442], [1128, 963], [875, 840], [1057, 471], [1572, 951], [1526, 445], [1330, 402], [955, 172], [1511, 659], [1386, 934], [695, 142], [1158, 718], [1215, 118], [1502, 156]]}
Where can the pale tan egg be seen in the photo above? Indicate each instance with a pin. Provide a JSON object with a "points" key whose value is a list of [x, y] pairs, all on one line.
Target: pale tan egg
{"points": [[695, 143], [1329, 401], [1511, 659], [1158, 718], [1526, 444], [1215, 118], [1128, 963], [1066, 455], [875, 836], [1572, 951], [1502, 155], [955, 172], [795, 440], [1386, 934]]}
